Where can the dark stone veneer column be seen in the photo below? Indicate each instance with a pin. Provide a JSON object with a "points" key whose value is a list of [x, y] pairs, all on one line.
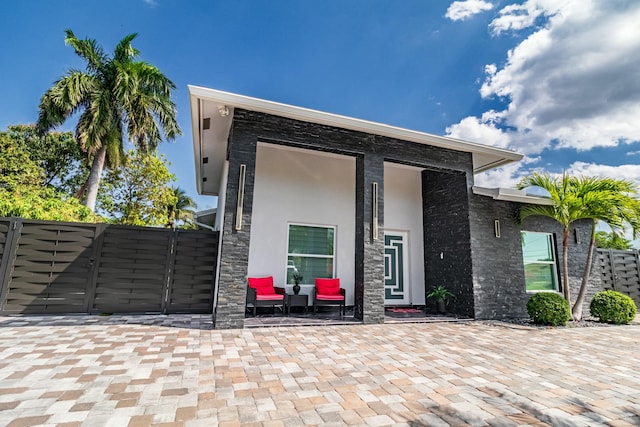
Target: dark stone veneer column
{"points": [[234, 254], [369, 274], [447, 238]]}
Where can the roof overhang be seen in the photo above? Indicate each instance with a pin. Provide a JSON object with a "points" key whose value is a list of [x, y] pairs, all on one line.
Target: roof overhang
{"points": [[218, 106], [511, 195]]}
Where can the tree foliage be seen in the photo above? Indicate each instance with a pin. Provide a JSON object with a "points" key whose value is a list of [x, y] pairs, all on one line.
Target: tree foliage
{"points": [[116, 97], [180, 213], [137, 193], [25, 189], [57, 154], [612, 240], [609, 200], [45, 203], [16, 166]]}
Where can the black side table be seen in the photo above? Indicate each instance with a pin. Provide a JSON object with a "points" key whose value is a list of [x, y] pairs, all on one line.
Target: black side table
{"points": [[299, 300]]}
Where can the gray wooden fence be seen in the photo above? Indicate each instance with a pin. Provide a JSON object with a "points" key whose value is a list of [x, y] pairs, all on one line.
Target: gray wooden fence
{"points": [[620, 271], [56, 267]]}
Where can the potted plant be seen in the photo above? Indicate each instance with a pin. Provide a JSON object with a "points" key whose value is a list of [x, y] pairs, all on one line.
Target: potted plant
{"points": [[297, 278], [440, 294]]}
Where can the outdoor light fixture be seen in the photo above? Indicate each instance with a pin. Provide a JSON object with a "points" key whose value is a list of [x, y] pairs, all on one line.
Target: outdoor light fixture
{"points": [[576, 235], [206, 123], [240, 204], [374, 227], [223, 110], [496, 228]]}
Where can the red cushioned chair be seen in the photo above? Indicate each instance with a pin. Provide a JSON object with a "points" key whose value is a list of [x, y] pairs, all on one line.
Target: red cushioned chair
{"points": [[262, 293], [329, 292]]}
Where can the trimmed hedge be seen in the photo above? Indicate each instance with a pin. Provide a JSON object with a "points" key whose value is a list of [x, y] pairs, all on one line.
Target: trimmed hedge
{"points": [[548, 308], [613, 307]]}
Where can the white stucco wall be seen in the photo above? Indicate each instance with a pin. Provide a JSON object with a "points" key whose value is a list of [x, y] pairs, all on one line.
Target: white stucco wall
{"points": [[403, 212], [301, 186]]}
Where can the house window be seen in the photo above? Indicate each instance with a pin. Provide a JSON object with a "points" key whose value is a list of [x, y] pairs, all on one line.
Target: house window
{"points": [[539, 262], [311, 252]]}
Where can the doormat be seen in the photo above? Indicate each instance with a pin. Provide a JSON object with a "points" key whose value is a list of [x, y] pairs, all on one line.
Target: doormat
{"points": [[404, 312]]}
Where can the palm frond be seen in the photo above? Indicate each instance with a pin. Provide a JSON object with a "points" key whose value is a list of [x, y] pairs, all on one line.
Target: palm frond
{"points": [[124, 51], [67, 95], [87, 49]]}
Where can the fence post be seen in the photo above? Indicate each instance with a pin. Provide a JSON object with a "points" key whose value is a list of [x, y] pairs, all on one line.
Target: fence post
{"points": [[612, 262], [98, 240], [8, 258], [170, 267]]}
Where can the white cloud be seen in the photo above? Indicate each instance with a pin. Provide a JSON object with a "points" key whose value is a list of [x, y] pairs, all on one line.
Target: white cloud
{"points": [[519, 16], [461, 10], [480, 129], [151, 2], [630, 172], [572, 83], [509, 175]]}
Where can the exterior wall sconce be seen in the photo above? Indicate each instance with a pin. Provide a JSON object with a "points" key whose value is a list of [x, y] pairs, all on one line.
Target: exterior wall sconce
{"points": [[240, 203], [223, 110], [374, 225], [576, 235], [496, 228]]}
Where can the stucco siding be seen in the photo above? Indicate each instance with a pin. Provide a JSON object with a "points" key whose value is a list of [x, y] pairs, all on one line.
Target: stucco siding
{"points": [[302, 187], [403, 212]]}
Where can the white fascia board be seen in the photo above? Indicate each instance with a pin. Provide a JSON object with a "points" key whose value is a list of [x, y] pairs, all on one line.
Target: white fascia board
{"points": [[197, 140], [501, 156], [206, 212], [511, 195]]}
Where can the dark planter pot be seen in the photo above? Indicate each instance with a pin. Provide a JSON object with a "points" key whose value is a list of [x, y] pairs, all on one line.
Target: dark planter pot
{"points": [[441, 306], [296, 289]]}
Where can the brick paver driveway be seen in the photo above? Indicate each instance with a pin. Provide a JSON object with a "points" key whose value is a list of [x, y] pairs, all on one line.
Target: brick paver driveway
{"points": [[402, 374]]}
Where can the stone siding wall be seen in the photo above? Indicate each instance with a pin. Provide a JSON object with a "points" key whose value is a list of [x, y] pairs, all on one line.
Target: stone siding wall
{"points": [[234, 253], [446, 239], [499, 286]]}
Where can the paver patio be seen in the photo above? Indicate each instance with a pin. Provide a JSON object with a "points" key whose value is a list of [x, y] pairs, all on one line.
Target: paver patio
{"points": [[79, 371]]}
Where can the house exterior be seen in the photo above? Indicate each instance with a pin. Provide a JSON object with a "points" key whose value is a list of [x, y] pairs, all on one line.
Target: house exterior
{"points": [[391, 212]]}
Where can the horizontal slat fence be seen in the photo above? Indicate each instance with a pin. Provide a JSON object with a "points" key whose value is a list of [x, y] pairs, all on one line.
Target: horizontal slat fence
{"points": [[54, 267], [620, 271], [50, 265], [191, 280], [132, 270]]}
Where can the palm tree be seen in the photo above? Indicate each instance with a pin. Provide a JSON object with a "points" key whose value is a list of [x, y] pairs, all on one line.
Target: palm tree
{"points": [[180, 209], [116, 96], [612, 202], [598, 199]]}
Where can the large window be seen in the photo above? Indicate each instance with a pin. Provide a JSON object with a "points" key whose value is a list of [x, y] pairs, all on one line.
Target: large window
{"points": [[310, 252], [539, 262]]}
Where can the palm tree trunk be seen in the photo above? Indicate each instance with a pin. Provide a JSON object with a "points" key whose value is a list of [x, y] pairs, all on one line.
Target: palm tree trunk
{"points": [[93, 182], [83, 188], [565, 264], [576, 311]]}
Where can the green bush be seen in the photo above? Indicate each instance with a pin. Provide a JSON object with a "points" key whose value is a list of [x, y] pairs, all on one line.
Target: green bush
{"points": [[548, 308], [613, 307]]}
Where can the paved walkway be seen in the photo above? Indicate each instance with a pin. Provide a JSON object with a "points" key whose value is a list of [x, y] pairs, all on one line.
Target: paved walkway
{"points": [[77, 371]]}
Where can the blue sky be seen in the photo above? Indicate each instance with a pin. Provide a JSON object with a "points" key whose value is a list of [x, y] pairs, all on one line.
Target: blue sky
{"points": [[557, 81]]}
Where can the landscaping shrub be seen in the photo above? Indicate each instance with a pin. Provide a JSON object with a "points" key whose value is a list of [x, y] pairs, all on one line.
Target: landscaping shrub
{"points": [[613, 307], [548, 308]]}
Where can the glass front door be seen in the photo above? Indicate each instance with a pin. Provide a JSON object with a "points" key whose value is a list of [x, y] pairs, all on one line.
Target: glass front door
{"points": [[396, 290]]}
